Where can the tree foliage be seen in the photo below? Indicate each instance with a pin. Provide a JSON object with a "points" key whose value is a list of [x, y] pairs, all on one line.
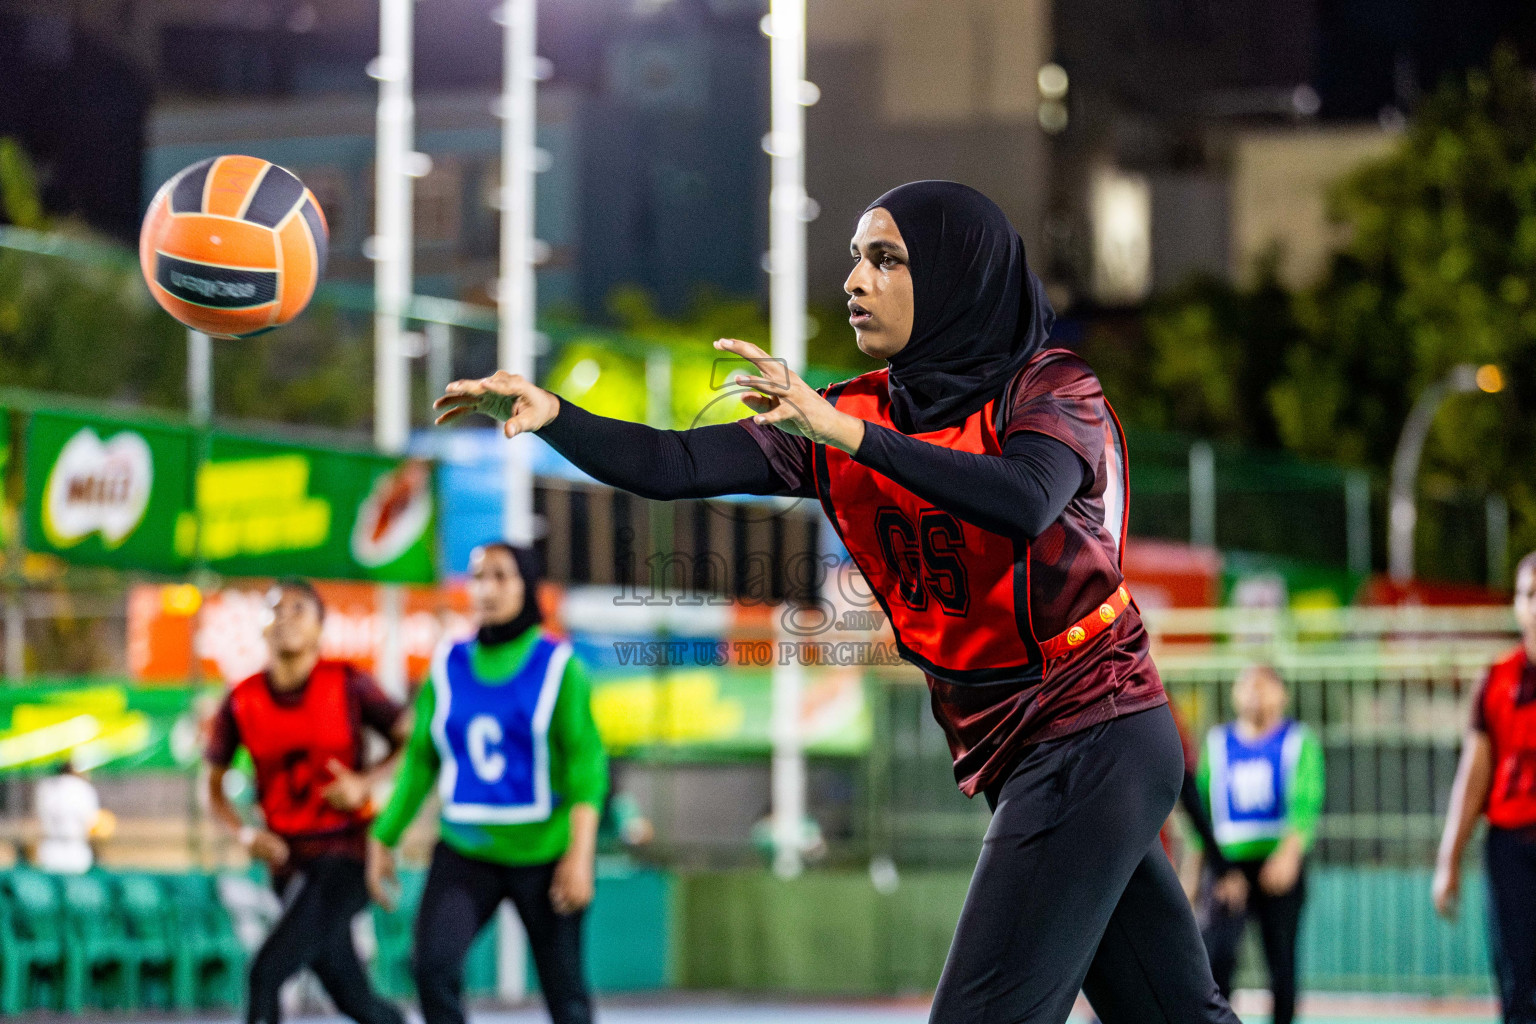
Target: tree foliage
{"points": [[1439, 268], [829, 343]]}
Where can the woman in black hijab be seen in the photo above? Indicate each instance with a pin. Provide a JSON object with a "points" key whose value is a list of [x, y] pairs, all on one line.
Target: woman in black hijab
{"points": [[978, 481]]}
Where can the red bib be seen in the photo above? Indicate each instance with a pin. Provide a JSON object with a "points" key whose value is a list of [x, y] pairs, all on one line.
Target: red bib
{"points": [[292, 746], [1511, 729], [957, 596]]}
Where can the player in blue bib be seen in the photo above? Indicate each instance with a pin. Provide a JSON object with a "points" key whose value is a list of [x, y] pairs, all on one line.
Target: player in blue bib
{"points": [[1249, 782], [1261, 776], [492, 735], [504, 730]]}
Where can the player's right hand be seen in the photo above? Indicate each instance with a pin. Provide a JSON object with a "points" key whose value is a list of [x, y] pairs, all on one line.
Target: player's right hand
{"points": [[1447, 889], [383, 884], [268, 846], [1231, 890], [521, 405], [348, 790]]}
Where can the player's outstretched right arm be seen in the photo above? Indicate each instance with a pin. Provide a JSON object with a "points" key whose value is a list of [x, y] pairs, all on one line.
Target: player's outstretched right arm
{"points": [[659, 464]]}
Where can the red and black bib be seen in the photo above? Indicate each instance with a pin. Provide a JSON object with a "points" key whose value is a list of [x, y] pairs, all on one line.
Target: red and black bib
{"points": [[1509, 715], [292, 745], [957, 596]]}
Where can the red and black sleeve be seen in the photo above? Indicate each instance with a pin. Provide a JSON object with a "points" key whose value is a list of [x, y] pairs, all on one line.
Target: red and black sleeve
{"points": [[1479, 717], [373, 707], [223, 735], [1019, 493], [665, 465], [1059, 397]]}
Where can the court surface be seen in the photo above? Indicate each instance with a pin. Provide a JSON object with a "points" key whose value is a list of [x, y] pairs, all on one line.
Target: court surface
{"points": [[709, 1009]]}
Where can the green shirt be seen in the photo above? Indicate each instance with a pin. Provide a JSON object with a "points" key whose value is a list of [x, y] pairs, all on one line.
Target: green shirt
{"points": [[578, 767], [1303, 801]]}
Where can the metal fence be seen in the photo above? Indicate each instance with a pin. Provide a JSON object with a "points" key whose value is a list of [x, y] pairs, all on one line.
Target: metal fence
{"points": [[1387, 691]]}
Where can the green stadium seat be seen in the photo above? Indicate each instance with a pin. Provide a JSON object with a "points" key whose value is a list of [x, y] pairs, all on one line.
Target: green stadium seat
{"points": [[152, 934], [31, 943], [99, 959], [210, 958]]}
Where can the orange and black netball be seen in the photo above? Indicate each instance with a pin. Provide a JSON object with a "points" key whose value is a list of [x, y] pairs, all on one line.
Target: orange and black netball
{"points": [[233, 246]]}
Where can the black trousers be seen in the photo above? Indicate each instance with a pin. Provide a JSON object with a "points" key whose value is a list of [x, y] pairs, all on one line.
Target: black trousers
{"points": [[1279, 922], [1073, 891], [1511, 859], [460, 896], [319, 901]]}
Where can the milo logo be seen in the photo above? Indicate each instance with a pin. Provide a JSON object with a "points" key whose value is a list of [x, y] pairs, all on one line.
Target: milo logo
{"points": [[215, 287], [97, 486]]}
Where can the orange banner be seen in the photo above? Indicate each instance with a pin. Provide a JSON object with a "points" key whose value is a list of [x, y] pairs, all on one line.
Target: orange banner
{"points": [[170, 626]]}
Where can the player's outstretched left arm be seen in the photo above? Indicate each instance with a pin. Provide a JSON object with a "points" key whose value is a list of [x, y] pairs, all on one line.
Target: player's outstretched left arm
{"points": [[521, 405], [658, 464]]}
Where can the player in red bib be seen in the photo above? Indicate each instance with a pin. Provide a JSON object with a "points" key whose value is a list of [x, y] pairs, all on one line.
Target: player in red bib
{"points": [[303, 721], [979, 482], [1497, 778]]}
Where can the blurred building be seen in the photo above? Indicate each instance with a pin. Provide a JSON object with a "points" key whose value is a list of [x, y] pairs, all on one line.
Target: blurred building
{"points": [[1196, 137], [652, 117], [651, 124], [1136, 170], [1277, 185], [914, 89], [329, 143]]}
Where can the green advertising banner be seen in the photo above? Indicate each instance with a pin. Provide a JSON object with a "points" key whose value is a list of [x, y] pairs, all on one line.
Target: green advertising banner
{"points": [[106, 492], [104, 724], [1255, 579], [126, 494], [264, 508], [702, 713]]}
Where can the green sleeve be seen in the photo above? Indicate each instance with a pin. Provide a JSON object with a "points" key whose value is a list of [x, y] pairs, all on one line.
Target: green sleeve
{"points": [[1305, 806], [583, 765], [418, 771], [1203, 786]]}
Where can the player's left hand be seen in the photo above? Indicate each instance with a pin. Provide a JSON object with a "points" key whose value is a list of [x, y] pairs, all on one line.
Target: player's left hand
{"points": [[348, 790], [1280, 871], [785, 401], [574, 882]]}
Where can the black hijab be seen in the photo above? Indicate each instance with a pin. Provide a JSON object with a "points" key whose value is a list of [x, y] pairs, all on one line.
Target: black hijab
{"points": [[979, 313], [531, 570]]}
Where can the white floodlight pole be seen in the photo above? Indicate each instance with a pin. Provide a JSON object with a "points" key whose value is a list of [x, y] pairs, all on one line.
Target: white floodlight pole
{"points": [[199, 378], [392, 241], [515, 294], [788, 210], [787, 200], [516, 316], [1402, 510], [392, 249]]}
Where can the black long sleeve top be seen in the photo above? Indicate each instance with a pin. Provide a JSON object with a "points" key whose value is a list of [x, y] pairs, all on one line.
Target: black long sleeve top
{"points": [[1019, 493]]}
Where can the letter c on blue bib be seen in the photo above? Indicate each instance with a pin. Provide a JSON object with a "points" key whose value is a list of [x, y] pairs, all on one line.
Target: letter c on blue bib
{"points": [[484, 735], [492, 735]]}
